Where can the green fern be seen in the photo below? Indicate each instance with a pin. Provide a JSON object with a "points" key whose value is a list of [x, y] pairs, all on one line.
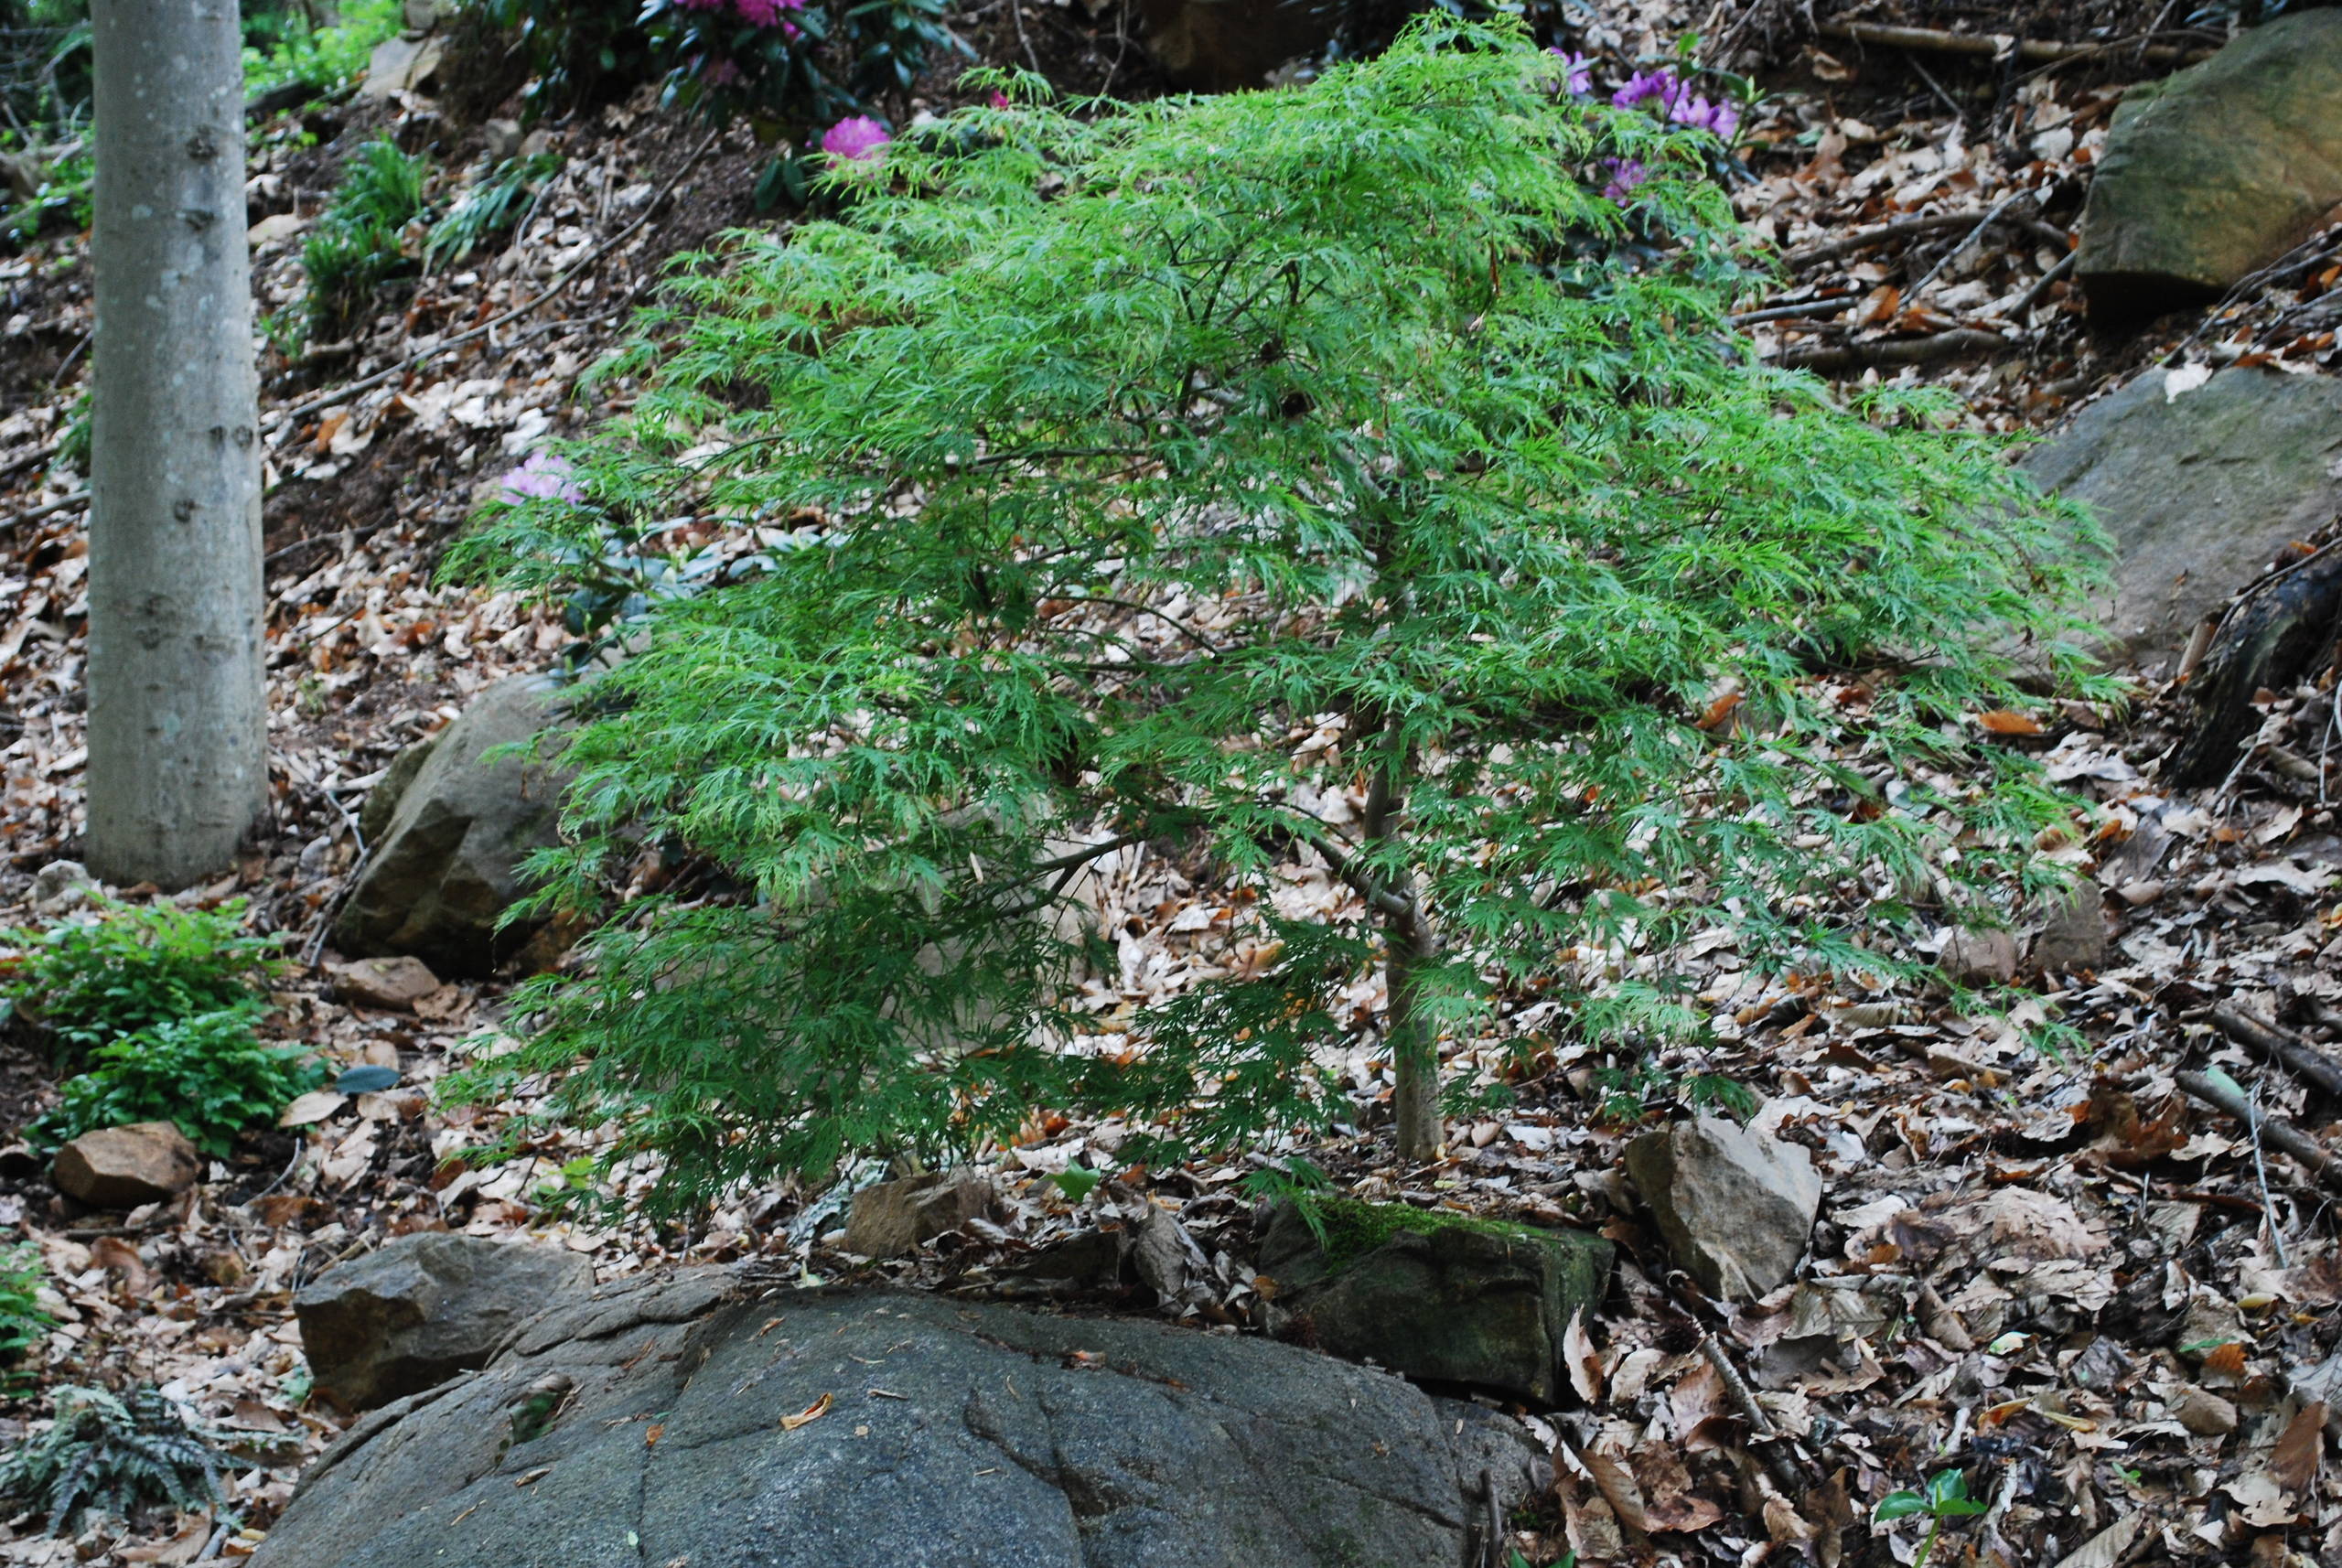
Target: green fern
{"points": [[116, 1454], [492, 207], [359, 242]]}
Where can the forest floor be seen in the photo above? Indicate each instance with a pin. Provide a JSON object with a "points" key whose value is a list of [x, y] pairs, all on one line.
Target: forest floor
{"points": [[2057, 1271]]}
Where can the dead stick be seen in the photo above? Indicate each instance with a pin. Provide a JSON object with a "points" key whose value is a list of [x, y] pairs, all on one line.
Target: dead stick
{"points": [[1772, 1454], [1893, 351], [1862, 239], [2280, 1046], [1993, 46], [2278, 1134]]}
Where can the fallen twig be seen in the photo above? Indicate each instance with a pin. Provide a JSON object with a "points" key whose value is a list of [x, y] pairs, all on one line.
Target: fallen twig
{"points": [[1999, 46], [1890, 351], [2280, 1046], [2281, 1135]]}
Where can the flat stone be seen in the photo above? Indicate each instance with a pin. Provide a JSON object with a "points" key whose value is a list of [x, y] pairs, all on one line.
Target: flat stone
{"points": [[1475, 1305], [121, 1168], [644, 1425], [392, 983], [2201, 491], [894, 1219], [1736, 1206], [424, 1307], [2216, 171]]}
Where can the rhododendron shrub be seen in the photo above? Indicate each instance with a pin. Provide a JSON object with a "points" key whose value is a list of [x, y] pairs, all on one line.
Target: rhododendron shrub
{"points": [[792, 68], [1331, 491]]}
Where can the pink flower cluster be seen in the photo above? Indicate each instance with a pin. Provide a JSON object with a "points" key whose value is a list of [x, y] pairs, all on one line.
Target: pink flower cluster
{"points": [[854, 140], [1677, 104], [542, 476], [756, 12]]}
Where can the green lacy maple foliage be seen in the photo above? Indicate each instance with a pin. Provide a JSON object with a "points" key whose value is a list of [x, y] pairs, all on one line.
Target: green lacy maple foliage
{"points": [[1406, 402]]}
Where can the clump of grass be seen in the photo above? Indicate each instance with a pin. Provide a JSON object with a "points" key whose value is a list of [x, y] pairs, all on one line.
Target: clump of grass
{"points": [[359, 242], [490, 208]]}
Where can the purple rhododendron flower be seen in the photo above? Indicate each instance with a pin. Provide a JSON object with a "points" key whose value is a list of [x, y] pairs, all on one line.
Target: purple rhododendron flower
{"points": [[720, 73], [1662, 85], [1625, 175], [765, 13], [854, 140], [1577, 71], [1721, 118], [999, 99], [544, 474]]}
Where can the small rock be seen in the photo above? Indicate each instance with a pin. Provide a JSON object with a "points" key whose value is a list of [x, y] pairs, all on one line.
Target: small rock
{"points": [[2203, 1413], [501, 139], [2074, 937], [1165, 1257], [1735, 1208], [423, 1308], [420, 16], [894, 1218], [447, 864], [1472, 1303], [61, 887], [394, 982], [121, 1168], [1973, 955]]}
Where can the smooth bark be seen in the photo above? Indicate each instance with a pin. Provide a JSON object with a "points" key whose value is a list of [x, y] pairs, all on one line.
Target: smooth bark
{"points": [[177, 768]]}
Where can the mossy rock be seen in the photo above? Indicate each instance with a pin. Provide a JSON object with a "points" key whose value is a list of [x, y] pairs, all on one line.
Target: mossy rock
{"points": [[1442, 1298]]}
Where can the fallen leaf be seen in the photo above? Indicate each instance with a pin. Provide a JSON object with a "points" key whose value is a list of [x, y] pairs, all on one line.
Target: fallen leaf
{"points": [[2001, 720], [2104, 1549], [812, 1412], [1584, 1363], [312, 1107], [2293, 1460]]}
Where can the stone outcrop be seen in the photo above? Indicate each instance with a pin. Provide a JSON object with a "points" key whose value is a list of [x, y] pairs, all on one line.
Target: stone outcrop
{"points": [[1736, 1205], [2216, 171], [2200, 491], [689, 1421]]}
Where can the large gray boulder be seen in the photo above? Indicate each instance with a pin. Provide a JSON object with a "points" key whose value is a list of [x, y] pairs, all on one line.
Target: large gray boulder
{"points": [[667, 1422], [2201, 491], [424, 1307], [1439, 1297], [447, 866], [2216, 171]]}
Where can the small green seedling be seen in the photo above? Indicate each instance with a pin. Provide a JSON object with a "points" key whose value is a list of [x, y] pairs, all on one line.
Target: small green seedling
{"points": [[1946, 1497], [1077, 1182]]}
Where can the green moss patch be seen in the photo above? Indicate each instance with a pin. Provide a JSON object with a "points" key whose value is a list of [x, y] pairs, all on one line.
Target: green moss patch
{"points": [[1354, 1229]]}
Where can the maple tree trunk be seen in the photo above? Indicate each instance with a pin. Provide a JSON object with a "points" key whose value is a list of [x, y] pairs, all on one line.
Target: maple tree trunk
{"points": [[1414, 1045], [178, 766]]}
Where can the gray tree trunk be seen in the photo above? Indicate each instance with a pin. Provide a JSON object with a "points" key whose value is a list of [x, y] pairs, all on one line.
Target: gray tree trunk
{"points": [[178, 719]]}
